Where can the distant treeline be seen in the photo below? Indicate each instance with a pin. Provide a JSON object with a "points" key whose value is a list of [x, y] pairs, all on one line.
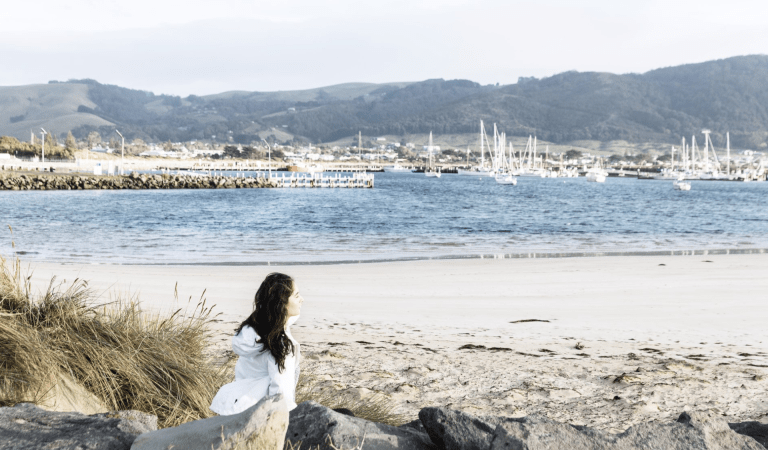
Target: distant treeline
{"points": [[15, 147]]}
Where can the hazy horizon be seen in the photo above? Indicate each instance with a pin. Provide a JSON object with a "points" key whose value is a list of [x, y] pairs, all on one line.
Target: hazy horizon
{"points": [[201, 48]]}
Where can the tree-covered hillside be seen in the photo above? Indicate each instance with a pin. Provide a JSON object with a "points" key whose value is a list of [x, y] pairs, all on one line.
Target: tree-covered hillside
{"points": [[658, 106]]}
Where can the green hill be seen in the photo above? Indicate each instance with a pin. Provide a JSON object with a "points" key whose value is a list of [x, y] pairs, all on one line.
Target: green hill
{"points": [[658, 106]]}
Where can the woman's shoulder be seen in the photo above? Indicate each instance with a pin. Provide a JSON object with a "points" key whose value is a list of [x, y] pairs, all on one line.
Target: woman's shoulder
{"points": [[245, 343], [247, 331]]}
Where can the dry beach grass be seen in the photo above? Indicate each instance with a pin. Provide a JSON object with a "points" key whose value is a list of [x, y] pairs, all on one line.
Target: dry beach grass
{"points": [[128, 358]]}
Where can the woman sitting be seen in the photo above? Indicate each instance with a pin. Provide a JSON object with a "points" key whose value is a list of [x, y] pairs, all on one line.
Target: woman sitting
{"points": [[269, 356]]}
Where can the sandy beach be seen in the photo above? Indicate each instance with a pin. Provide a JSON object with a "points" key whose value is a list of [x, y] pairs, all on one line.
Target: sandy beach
{"points": [[601, 341]]}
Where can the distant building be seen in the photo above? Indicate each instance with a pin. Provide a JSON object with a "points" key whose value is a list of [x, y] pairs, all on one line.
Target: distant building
{"points": [[100, 149]]}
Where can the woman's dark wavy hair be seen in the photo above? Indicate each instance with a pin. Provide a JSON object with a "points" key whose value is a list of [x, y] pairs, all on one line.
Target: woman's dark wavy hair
{"points": [[270, 315]]}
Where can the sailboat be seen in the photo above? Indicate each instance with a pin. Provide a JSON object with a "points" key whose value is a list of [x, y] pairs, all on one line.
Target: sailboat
{"points": [[530, 170], [502, 165], [480, 170], [431, 172], [681, 185], [597, 174]]}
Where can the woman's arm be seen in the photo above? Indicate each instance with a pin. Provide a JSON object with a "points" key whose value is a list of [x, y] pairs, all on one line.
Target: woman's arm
{"points": [[285, 382]]}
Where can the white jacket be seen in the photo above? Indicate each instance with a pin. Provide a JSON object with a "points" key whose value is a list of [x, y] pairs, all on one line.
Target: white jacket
{"points": [[257, 375]]}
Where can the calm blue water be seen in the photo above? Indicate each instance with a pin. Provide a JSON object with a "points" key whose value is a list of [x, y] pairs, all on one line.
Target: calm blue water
{"points": [[405, 216]]}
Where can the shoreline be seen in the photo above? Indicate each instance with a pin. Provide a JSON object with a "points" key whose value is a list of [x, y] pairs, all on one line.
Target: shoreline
{"points": [[484, 256]]}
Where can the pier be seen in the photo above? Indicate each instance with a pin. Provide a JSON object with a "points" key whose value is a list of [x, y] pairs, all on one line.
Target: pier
{"points": [[318, 180]]}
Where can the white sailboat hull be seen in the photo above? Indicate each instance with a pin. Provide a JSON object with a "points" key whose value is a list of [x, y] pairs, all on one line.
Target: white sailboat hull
{"points": [[681, 186], [432, 174], [595, 177], [508, 180], [397, 169], [475, 173]]}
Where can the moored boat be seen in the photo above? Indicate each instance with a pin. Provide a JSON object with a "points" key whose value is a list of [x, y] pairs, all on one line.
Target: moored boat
{"points": [[681, 185]]}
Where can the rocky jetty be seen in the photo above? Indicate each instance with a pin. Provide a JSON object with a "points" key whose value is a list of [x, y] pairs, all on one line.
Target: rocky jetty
{"points": [[52, 182], [268, 425]]}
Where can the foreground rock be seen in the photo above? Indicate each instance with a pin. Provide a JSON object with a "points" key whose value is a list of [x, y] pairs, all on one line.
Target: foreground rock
{"points": [[27, 427], [261, 426], [756, 430], [314, 426], [454, 430]]}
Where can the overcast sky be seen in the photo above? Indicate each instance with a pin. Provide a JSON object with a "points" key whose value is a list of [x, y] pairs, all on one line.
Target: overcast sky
{"points": [[205, 47]]}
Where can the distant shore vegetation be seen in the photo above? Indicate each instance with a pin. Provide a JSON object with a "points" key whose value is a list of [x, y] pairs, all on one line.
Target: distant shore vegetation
{"points": [[13, 146]]}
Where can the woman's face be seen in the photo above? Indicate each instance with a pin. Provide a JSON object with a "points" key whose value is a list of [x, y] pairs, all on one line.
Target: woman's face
{"points": [[294, 303]]}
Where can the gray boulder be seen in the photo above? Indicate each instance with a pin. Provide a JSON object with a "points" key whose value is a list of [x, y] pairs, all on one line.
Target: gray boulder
{"points": [[262, 426], [315, 426], [692, 431], [454, 430], [25, 426], [756, 430]]}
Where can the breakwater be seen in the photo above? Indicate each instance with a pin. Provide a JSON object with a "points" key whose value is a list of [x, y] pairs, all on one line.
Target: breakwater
{"points": [[48, 182]]}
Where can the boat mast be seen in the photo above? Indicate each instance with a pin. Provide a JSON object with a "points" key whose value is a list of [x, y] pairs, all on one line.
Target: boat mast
{"points": [[672, 162], [728, 151], [685, 155], [694, 150], [706, 149], [714, 153], [429, 150], [529, 149], [511, 155], [482, 153], [496, 139], [534, 152]]}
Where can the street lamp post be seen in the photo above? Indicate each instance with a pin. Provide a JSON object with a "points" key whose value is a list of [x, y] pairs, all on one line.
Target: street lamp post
{"points": [[122, 151], [42, 138], [269, 153]]}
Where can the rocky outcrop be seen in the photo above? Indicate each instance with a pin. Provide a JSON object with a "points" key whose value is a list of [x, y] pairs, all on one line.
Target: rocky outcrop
{"points": [[27, 427], [133, 181], [261, 426], [453, 430], [315, 426]]}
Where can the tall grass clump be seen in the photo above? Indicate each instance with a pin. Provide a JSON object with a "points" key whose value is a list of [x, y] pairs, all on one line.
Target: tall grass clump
{"points": [[127, 358]]}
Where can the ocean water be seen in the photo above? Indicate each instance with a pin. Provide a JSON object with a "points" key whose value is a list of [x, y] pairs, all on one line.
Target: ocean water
{"points": [[406, 216]]}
